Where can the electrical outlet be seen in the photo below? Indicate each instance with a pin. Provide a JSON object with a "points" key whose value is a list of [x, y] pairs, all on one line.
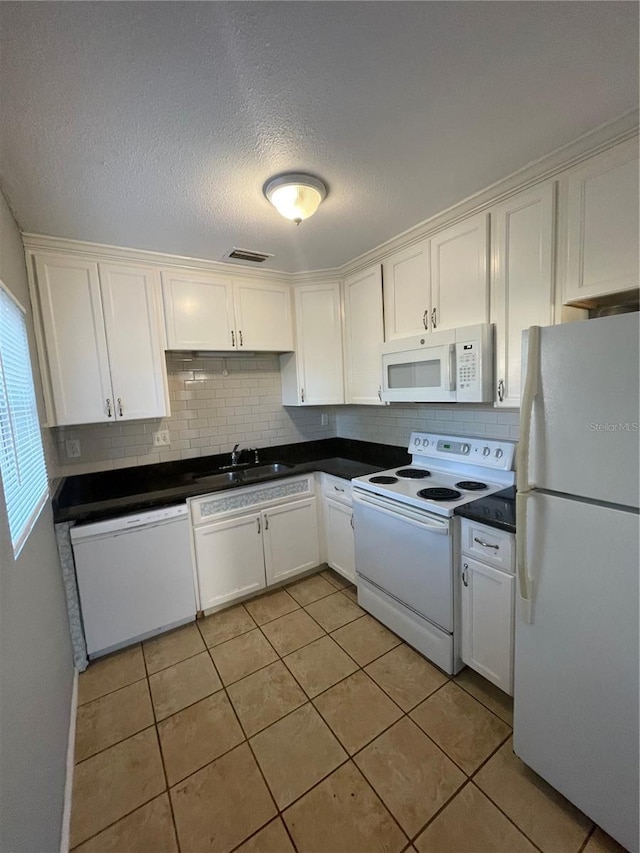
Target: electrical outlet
{"points": [[72, 448], [161, 438], [324, 420]]}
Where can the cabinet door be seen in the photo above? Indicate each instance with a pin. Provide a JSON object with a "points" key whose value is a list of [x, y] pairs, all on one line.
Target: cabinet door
{"points": [[75, 339], [522, 281], [340, 549], [131, 297], [263, 316], [487, 622], [198, 311], [459, 274], [290, 539], [319, 345], [229, 559], [407, 303], [364, 333], [602, 224]]}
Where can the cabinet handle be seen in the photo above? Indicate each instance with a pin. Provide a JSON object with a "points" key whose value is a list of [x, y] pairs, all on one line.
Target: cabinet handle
{"points": [[233, 338], [425, 318], [465, 574], [485, 544], [434, 316], [109, 407], [501, 390], [120, 407], [380, 393], [266, 522], [302, 395], [258, 520], [338, 489], [240, 336], [352, 527]]}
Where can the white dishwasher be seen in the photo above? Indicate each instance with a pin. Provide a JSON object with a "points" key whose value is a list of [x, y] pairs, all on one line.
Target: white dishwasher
{"points": [[135, 576]]}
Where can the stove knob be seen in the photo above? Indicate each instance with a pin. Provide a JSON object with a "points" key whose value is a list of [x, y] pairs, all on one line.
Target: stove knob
{"points": [[485, 451], [499, 453], [425, 442], [466, 448]]}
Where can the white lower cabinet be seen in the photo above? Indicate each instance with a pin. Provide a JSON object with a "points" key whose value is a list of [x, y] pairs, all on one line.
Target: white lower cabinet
{"points": [[339, 545], [290, 540], [338, 531], [229, 559], [488, 602], [250, 538]]}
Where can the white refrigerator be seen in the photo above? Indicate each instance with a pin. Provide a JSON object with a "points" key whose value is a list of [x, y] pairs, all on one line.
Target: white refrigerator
{"points": [[576, 687]]}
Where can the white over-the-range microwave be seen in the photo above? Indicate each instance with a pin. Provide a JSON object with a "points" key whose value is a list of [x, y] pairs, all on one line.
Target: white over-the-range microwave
{"points": [[452, 366]]}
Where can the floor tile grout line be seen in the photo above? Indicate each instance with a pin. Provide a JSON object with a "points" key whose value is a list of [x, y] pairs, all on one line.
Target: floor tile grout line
{"points": [[159, 745], [589, 836], [176, 662], [440, 809], [473, 696], [115, 743], [122, 817]]}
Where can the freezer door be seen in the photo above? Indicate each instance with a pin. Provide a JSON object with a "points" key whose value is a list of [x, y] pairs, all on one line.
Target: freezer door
{"points": [[576, 663], [584, 437]]}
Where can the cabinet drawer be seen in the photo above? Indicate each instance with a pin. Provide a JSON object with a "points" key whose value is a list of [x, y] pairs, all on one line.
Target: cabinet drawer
{"points": [[492, 546], [336, 488], [232, 501]]}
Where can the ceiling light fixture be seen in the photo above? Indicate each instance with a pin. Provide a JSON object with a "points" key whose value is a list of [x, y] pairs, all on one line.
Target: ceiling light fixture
{"points": [[295, 196]]}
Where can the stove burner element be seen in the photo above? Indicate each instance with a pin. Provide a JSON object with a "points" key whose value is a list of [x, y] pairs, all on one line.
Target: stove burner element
{"points": [[439, 494], [387, 481], [413, 473], [471, 485]]}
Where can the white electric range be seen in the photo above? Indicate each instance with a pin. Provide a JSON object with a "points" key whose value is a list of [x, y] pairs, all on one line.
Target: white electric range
{"points": [[406, 536]]}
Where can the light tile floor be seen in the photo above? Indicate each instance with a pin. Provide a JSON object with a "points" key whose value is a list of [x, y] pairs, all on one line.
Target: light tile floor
{"points": [[298, 722]]}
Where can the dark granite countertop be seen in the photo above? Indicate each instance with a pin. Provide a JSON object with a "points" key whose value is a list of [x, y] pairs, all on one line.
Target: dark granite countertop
{"points": [[497, 510], [89, 497]]}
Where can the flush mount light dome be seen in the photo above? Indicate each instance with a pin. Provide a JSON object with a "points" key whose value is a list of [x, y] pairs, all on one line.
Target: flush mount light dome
{"points": [[295, 196]]}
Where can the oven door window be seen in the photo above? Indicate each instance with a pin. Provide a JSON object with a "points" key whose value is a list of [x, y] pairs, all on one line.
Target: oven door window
{"points": [[415, 374]]}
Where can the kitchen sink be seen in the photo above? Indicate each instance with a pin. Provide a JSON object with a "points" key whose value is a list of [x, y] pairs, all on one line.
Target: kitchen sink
{"points": [[220, 479], [242, 474], [257, 471]]}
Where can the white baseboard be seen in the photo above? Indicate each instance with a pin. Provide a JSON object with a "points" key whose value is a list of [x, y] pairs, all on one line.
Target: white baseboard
{"points": [[68, 787]]}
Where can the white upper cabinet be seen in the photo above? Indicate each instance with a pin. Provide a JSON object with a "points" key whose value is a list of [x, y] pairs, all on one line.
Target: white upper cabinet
{"points": [[522, 280], [198, 311], [364, 333], [601, 253], [263, 316], [207, 312], [313, 375], [407, 303], [460, 274], [76, 357], [102, 342]]}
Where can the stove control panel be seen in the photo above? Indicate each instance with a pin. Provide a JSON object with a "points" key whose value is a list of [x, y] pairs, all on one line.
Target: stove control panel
{"points": [[478, 451]]}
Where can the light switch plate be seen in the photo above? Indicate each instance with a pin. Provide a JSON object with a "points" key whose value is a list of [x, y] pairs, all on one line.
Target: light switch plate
{"points": [[161, 438]]}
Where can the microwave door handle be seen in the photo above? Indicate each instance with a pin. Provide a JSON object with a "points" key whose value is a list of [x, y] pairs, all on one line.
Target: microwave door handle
{"points": [[452, 367]]}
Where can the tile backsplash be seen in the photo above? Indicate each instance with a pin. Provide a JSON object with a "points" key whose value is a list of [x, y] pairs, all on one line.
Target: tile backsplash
{"points": [[218, 402], [394, 424], [215, 403]]}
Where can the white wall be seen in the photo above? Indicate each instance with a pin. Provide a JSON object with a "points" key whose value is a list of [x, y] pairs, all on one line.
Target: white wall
{"points": [[36, 670]]}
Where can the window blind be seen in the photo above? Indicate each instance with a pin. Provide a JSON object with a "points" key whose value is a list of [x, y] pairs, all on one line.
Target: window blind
{"points": [[22, 465]]}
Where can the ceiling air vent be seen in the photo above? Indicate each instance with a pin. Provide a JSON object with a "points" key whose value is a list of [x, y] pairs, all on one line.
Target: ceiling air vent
{"points": [[246, 255]]}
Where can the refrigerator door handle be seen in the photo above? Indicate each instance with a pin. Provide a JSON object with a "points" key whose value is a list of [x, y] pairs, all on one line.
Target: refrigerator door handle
{"points": [[525, 583], [530, 390]]}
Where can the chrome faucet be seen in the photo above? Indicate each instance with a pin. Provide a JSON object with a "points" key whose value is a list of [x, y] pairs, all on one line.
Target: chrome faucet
{"points": [[235, 454]]}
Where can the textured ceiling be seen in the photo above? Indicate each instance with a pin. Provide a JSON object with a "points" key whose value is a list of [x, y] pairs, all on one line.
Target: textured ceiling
{"points": [[155, 125]]}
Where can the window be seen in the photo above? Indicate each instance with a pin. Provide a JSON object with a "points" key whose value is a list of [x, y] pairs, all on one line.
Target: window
{"points": [[24, 475]]}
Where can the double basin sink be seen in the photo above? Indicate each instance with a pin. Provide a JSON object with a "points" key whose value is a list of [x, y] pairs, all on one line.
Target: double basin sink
{"points": [[241, 474]]}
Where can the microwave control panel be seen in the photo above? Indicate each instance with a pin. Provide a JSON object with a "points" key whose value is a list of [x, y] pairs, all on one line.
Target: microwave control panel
{"points": [[474, 370]]}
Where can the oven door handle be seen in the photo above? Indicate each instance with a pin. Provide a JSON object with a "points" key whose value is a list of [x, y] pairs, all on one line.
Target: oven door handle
{"points": [[396, 510]]}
